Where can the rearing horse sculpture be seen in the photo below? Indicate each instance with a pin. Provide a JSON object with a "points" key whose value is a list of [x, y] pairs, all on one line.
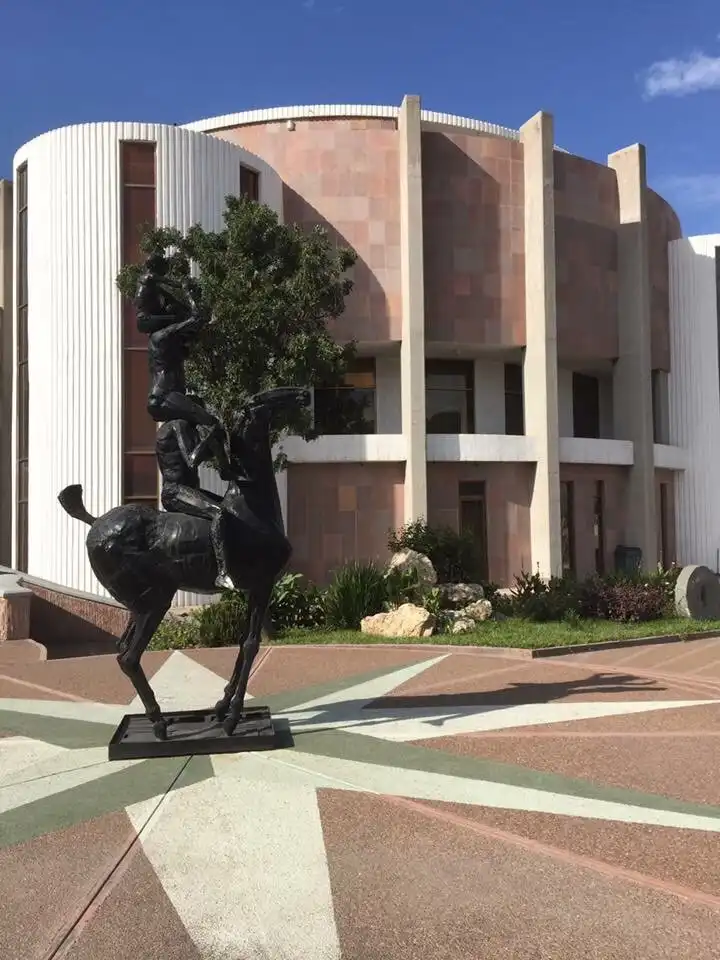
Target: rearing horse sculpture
{"points": [[143, 556]]}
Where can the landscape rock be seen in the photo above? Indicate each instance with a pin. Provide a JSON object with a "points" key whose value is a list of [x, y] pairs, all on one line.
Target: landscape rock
{"points": [[461, 594], [463, 625], [408, 620], [406, 560], [478, 611]]}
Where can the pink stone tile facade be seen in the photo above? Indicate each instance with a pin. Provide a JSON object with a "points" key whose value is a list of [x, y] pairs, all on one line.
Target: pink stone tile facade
{"points": [[508, 489], [586, 255], [663, 228], [584, 478], [474, 253], [339, 512], [344, 175]]}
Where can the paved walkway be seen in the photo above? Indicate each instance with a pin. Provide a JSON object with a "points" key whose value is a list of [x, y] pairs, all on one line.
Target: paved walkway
{"points": [[437, 805]]}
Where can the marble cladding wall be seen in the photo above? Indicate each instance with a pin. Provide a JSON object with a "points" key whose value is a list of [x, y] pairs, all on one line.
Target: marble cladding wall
{"points": [[508, 490], [663, 228], [474, 253], [344, 175], [342, 511], [584, 479], [586, 254]]}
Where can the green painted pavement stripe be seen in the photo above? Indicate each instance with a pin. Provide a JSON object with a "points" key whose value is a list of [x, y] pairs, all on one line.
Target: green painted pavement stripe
{"points": [[108, 794], [60, 731], [364, 749]]}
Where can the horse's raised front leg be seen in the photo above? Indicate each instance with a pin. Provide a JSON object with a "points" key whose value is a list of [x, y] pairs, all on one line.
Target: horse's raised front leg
{"points": [[222, 706], [136, 640], [259, 601]]}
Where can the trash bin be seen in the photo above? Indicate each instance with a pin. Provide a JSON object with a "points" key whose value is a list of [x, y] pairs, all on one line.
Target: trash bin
{"points": [[627, 559]]}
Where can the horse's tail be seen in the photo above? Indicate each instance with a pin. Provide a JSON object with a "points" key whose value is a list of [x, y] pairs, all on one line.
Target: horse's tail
{"points": [[71, 500]]}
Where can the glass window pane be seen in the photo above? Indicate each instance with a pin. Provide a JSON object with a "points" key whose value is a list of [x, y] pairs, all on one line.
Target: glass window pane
{"points": [[447, 411], [342, 411], [23, 410], [249, 183], [140, 475], [140, 428], [22, 479], [138, 213], [138, 163]]}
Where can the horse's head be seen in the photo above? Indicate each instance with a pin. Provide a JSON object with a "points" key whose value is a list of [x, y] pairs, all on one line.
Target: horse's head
{"points": [[251, 430]]}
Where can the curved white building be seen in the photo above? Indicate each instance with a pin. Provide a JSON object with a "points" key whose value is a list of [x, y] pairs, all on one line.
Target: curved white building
{"points": [[514, 344], [694, 395], [82, 195]]}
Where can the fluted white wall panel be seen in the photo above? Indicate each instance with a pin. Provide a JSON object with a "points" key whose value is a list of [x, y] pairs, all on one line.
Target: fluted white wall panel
{"points": [[694, 396], [75, 321]]}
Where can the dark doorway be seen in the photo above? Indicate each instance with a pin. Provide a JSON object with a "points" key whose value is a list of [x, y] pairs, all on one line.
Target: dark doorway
{"points": [[599, 526], [586, 406], [473, 521]]}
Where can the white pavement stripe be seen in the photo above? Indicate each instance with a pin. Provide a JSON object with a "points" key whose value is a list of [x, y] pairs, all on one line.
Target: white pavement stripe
{"points": [[182, 683], [53, 761], [423, 724], [420, 785], [370, 690], [18, 794], [108, 713], [244, 865], [17, 754]]}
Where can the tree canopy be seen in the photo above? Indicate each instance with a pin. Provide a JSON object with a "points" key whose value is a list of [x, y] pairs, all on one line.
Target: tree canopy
{"points": [[271, 290]]}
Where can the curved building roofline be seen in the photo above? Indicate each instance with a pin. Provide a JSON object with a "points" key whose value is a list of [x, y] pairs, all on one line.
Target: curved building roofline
{"points": [[328, 111]]}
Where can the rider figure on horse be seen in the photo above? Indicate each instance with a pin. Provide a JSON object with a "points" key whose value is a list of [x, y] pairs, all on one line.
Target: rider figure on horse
{"points": [[171, 314]]}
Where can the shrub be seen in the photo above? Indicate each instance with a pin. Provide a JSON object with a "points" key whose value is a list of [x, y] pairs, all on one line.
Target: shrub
{"points": [[296, 604], [631, 601], [220, 624], [453, 554], [358, 590], [534, 598]]}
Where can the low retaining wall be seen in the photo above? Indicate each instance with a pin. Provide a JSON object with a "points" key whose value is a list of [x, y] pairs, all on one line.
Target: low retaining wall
{"points": [[66, 622]]}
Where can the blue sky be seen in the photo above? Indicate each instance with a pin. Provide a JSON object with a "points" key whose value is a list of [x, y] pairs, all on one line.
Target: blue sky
{"points": [[613, 72]]}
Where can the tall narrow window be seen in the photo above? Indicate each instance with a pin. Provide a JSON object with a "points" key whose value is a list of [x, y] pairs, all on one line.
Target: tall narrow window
{"points": [[23, 384], [473, 521], [249, 183], [140, 478], [599, 526], [567, 527], [665, 558], [586, 406], [449, 396], [349, 408], [514, 413]]}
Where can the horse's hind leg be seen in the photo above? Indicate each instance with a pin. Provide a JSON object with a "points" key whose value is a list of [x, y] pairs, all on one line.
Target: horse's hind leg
{"points": [[144, 625], [221, 707], [259, 600]]}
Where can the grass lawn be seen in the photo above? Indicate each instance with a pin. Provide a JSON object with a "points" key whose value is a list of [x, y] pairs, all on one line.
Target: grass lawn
{"points": [[521, 633]]}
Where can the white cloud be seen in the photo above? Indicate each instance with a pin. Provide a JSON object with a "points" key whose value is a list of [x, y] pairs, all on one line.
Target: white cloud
{"points": [[678, 78], [699, 190]]}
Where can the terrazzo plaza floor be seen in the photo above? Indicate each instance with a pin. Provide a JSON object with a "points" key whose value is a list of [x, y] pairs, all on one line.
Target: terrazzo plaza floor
{"points": [[434, 804]]}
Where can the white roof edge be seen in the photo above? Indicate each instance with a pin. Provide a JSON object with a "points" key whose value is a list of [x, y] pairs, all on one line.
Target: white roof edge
{"points": [[329, 110]]}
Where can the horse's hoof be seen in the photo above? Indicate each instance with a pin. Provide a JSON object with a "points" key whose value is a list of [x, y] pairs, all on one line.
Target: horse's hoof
{"points": [[160, 729], [220, 709], [229, 725]]}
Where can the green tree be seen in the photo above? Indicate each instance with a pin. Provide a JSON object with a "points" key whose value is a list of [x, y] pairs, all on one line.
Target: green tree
{"points": [[271, 289]]}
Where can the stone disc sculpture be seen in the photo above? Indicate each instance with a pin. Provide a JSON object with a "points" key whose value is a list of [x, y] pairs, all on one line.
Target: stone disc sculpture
{"points": [[697, 593]]}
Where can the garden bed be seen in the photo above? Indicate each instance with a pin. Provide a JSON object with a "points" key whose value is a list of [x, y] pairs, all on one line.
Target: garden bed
{"points": [[510, 633]]}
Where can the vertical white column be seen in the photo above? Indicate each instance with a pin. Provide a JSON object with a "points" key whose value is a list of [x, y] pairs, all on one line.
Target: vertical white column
{"points": [[540, 368], [412, 350], [632, 383]]}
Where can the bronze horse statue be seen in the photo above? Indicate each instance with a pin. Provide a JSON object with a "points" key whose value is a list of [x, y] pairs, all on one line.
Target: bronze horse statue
{"points": [[143, 556]]}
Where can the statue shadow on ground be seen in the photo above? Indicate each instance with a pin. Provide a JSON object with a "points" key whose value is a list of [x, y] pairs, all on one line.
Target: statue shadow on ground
{"points": [[360, 713]]}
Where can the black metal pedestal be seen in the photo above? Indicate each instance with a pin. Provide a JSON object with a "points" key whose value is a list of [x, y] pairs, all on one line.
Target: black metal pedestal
{"points": [[192, 732]]}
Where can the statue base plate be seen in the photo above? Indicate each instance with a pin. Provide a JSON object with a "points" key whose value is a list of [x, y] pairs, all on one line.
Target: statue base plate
{"points": [[192, 732]]}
